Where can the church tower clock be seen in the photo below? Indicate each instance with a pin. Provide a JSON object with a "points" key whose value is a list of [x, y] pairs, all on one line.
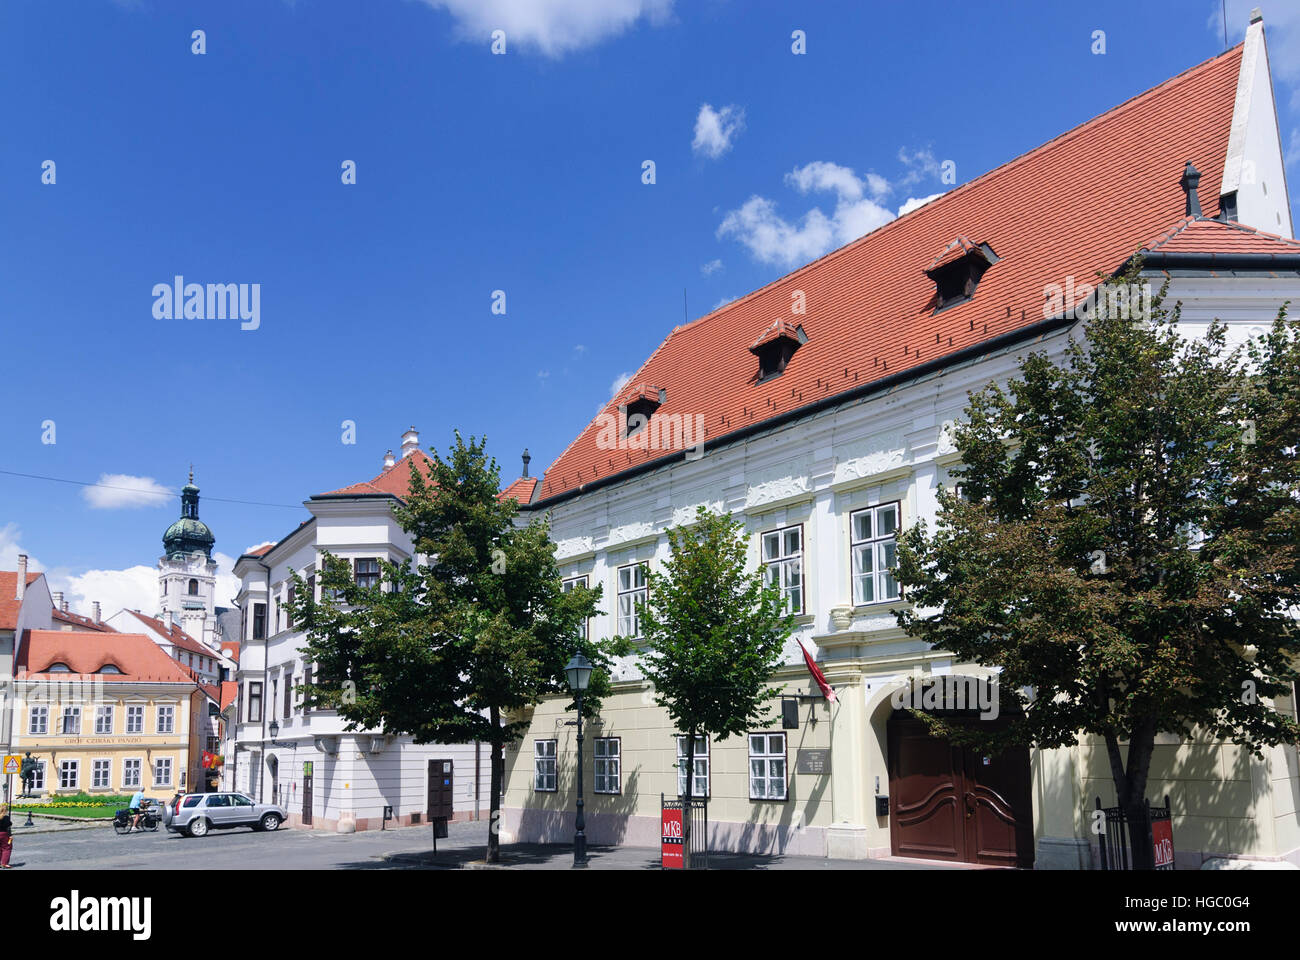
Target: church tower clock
{"points": [[187, 574]]}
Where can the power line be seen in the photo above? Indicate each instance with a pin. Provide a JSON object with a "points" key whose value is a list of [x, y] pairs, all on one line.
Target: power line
{"points": [[148, 493]]}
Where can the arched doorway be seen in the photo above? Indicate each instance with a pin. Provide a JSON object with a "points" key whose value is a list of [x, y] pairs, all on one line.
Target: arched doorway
{"points": [[948, 802]]}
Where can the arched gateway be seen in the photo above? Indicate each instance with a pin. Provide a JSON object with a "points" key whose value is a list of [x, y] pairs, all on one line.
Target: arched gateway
{"points": [[949, 802]]}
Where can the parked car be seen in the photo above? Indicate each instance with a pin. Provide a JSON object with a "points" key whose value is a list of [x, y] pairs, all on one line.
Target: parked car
{"points": [[197, 813]]}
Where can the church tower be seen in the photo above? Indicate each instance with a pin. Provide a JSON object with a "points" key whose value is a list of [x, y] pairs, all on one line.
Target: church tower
{"points": [[187, 574]]}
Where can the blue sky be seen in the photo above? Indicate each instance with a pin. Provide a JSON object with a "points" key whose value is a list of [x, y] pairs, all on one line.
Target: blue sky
{"points": [[475, 173]]}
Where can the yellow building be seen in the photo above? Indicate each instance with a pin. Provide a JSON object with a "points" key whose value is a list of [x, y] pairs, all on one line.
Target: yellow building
{"points": [[106, 713]]}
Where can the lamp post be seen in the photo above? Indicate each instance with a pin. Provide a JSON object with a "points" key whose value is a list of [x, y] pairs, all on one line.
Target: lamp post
{"points": [[578, 672]]}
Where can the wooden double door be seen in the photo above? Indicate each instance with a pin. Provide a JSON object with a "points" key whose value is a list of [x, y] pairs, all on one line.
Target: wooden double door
{"points": [[948, 802]]}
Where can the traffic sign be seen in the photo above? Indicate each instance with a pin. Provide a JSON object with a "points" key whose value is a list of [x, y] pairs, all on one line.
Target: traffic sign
{"points": [[12, 764]]}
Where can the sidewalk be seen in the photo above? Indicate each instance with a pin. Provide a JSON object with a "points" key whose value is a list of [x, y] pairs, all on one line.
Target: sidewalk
{"points": [[456, 854], [48, 825]]}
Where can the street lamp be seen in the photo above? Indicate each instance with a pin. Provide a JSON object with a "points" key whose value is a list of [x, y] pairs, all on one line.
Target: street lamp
{"points": [[275, 732], [578, 672]]}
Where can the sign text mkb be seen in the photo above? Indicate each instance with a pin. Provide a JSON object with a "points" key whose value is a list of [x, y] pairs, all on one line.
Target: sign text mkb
{"points": [[672, 840]]}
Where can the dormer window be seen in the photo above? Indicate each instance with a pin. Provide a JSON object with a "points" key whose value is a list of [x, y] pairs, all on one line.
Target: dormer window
{"points": [[640, 407], [775, 346], [957, 270]]}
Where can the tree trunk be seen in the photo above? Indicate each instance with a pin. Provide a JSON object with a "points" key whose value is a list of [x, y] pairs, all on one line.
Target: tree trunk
{"points": [[494, 791], [1130, 788], [686, 798]]}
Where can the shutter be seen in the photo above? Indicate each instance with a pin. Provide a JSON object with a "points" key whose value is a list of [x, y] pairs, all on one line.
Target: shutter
{"points": [[306, 682]]}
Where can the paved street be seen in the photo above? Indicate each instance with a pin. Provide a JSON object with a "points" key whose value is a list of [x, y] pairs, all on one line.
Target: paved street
{"points": [[408, 848]]}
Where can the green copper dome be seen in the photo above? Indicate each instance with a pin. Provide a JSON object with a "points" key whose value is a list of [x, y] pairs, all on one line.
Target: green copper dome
{"points": [[189, 534]]}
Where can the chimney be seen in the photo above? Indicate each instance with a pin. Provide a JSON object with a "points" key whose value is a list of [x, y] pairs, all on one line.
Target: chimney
{"points": [[1191, 177], [1256, 15], [57, 597], [95, 611], [64, 607], [527, 458], [22, 575], [410, 442], [388, 459]]}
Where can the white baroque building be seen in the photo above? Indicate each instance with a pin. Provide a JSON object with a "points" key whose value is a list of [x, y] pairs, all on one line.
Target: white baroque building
{"points": [[827, 398], [326, 777]]}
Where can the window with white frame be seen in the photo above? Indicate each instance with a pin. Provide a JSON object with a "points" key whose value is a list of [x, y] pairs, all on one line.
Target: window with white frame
{"points": [[700, 787], [135, 718], [783, 564], [567, 586], [544, 776], [631, 591], [69, 774], [38, 781], [131, 772], [99, 773], [607, 765], [767, 766], [104, 719], [162, 772], [38, 720], [874, 536], [71, 720], [166, 718]]}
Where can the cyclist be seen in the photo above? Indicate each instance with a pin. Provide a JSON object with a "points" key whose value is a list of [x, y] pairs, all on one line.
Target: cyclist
{"points": [[137, 807]]}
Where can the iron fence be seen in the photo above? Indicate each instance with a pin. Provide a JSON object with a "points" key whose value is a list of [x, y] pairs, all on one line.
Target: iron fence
{"points": [[1114, 839]]}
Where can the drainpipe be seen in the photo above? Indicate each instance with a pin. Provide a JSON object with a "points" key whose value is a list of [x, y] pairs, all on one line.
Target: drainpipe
{"points": [[266, 636]]}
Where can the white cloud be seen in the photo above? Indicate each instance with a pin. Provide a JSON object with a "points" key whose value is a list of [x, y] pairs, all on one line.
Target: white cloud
{"points": [[773, 239], [552, 27], [911, 203], [131, 588], [715, 130], [259, 546], [919, 165], [722, 303], [619, 383], [710, 268], [859, 209], [117, 491]]}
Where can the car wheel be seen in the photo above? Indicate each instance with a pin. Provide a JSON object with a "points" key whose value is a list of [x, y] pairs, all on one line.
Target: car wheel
{"points": [[199, 828], [270, 822]]}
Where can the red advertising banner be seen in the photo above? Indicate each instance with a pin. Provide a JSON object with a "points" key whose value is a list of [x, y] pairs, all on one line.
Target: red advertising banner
{"points": [[1162, 838], [672, 840]]}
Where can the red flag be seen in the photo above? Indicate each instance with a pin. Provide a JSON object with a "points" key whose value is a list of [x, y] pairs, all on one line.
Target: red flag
{"points": [[817, 674]]}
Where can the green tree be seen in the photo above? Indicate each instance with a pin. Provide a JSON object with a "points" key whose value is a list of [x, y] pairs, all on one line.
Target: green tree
{"points": [[455, 646], [713, 635], [1126, 543]]}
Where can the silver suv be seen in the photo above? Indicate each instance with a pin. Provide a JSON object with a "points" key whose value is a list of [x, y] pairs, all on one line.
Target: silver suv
{"points": [[197, 813]]}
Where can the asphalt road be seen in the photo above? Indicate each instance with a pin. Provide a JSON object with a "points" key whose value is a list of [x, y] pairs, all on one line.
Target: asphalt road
{"points": [[99, 848]]}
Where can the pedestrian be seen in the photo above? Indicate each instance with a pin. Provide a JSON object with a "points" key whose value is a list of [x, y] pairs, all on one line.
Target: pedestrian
{"points": [[6, 838]]}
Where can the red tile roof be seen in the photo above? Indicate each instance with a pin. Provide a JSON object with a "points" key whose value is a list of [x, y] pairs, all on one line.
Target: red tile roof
{"points": [[174, 634], [9, 604], [1202, 235], [231, 649], [229, 690], [260, 551], [138, 657], [521, 490], [395, 480], [955, 250], [1081, 203], [775, 330], [84, 623]]}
